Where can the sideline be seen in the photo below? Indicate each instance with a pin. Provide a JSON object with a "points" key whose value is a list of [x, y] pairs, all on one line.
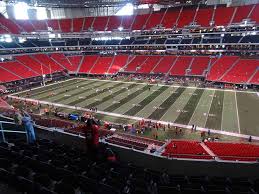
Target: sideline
{"points": [[138, 118]]}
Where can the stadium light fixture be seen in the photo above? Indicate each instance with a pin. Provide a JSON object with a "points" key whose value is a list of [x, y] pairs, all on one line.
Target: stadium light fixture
{"points": [[20, 11], [120, 28], [126, 10]]}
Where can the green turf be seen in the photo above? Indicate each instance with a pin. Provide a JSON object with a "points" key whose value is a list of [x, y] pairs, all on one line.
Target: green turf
{"points": [[160, 111], [146, 101], [126, 99], [62, 91], [248, 109], [215, 114], [147, 110], [75, 102], [229, 114], [202, 109], [189, 108], [49, 88], [111, 96], [177, 107], [215, 109], [77, 91]]}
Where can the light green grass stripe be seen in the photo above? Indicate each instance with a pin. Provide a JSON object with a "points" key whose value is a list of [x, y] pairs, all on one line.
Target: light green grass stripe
{"points": [[175, 109], [126, 99], [53, 87], [113, 95], [80, 101], [147, 110], [189, 108], [215, 114], [248, 109], [97, 99], [160, 111], [62, 90], [118, 97], [83, 93], [135, 100], [229, 115], [80, 90], [146, 101], [199, 116]]}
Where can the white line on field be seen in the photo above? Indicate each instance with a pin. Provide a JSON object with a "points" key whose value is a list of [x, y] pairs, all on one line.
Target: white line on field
{"points": [[139, 118], [209, 108], [176, 86], [196, 108], [222, 114], [238, 122]]}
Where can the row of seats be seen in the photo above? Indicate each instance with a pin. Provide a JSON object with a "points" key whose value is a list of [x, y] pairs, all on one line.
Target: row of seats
{"points": [[185, 149], [231, 69], [209, 39], [172, 17], [51, 168], [222, 150], [127, 143], [234, 151]]}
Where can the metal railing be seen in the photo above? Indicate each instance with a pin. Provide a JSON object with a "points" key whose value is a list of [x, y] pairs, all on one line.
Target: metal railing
{"points": [[3, 131]]}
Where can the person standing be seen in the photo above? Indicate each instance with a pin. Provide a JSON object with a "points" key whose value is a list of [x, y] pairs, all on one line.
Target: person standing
{"points": [[18, 119], [27, 122]]}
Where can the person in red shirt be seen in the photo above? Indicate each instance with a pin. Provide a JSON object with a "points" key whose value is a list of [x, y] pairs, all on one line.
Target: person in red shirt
{"points": [[91, 131]]}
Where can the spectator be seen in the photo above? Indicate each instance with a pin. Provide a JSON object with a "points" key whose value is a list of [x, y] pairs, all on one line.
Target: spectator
{"points": [[18, 118], [28, 125], [91, 134]]}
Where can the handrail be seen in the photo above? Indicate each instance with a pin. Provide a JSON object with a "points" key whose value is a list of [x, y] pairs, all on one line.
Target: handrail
{"points": [[8, 131]]}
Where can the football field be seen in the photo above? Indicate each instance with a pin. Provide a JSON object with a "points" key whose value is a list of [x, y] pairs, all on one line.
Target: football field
{"points": [[223, 110]]}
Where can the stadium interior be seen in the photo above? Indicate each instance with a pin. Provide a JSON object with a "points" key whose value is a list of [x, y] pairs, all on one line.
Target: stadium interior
{"points": [[129, 96]]}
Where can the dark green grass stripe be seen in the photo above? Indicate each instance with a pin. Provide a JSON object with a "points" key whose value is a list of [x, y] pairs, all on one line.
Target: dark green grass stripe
{"points": [[110, 96], [94, 94], [184, 117], [134, 110], [80, 91], [158, 113], [126, 99], [215, 114], [47, 87], [55, 87], [71, 88]]}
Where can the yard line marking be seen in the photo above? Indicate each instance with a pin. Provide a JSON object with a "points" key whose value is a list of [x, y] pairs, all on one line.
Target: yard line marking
{"points": [[195, 109], [175, 86], [139, 118], [238, 123], [43, 86], [209, 108], [171, 104], [222, 114]]}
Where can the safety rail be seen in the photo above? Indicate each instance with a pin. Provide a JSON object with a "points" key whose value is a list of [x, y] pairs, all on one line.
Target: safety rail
{"points": [[8, 131]]}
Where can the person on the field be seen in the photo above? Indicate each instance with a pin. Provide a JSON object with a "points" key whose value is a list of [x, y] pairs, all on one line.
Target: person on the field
{"points": [[28, 126]]}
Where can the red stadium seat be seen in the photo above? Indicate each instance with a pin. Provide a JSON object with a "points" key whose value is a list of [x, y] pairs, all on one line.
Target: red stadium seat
{"points": [[54, 25], [77, 24], [181, 65], [165, 64], [242, 13], [204, 17], [234, 151], [118, 63], [102, 65], [220, 67], [223, 16], [87, 63], [65, 25]]}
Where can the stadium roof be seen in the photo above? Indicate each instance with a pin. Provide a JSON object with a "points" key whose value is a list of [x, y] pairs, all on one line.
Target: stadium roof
{"points": [[98, 3]]}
